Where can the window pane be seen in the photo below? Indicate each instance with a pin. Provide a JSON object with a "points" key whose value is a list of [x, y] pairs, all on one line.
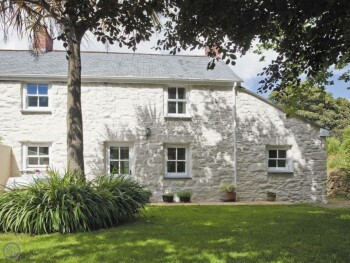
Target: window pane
{"points": [[114, 153], [32, 101], [172, 93], [114, 167], [32, 150], [124, 167], [181, 167], [33, 160], [272, 163], [181, 107], [44, 161], [43, 89], [181, 93], [281, 163], [181, 153], [43, 150], [171, 153], [171, 107], [31, 89], [43, 101], [124, 153], [171, 167], [272, 153], [282, 154]]}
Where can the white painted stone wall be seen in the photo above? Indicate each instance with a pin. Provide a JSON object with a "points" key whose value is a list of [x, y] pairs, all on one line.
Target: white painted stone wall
{"points": [[260, 124], [121, 112]]}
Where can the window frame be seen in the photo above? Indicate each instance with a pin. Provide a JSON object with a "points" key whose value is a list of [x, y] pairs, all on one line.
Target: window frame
{"points": [[25, 95], [289, 161], [185, 174], [186, 100], [26, 165], [119, 145]]}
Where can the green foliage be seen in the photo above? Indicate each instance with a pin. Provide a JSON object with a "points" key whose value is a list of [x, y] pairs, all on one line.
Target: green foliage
{"points": [[338, 149], [1, 139], [272, 194], [313, 103], [70, 204], [308, 36], [168, 194], [228, 188], [184, 193]]}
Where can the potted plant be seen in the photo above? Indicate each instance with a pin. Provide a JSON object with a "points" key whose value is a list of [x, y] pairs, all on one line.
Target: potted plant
{"points": [[229, 191], [168, 198], [271, 196], [185, 196]]}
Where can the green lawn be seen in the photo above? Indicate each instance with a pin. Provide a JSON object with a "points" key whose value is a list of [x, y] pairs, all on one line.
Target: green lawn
{"points": [[297, 233]]}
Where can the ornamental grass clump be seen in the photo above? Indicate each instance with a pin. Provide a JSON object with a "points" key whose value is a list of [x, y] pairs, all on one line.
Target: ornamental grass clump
{"points": [[68, 203]]}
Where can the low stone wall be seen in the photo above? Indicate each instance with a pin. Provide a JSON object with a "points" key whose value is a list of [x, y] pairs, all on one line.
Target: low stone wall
{"points": [[338, 183]]}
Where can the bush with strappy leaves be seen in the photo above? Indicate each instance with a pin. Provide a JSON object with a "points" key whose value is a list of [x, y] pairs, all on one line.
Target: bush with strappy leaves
{"points": [[70, 204]]}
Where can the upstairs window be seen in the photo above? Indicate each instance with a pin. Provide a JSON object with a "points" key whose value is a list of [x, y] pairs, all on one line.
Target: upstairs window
{"points": [[279, 160], [36, 96], [176, 103], [119, 160]]}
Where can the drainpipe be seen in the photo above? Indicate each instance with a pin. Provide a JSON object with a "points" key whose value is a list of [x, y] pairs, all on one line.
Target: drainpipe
{"points": [[234, 113]]}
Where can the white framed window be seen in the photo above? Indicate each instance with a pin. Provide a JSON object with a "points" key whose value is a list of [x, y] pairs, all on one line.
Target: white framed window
{"points": [[36, 97], [36, 155], [176, 161], [119, 159], [279, 159], [176, 103]]}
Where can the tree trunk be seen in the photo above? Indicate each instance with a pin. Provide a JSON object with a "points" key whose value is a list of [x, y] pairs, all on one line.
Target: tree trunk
{"points": [[75, 145]]}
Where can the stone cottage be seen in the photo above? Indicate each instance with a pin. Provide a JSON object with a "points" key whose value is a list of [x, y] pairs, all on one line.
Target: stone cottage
{"points": [[166, 121]]}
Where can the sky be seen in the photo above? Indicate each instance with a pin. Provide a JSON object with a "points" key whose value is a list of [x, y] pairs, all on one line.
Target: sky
{"points": [[247, 67]]}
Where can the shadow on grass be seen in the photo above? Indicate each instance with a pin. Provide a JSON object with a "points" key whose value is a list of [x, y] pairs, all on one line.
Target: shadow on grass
{"points": [[205, 234]]}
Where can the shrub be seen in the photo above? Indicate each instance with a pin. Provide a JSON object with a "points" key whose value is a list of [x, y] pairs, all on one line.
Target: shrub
{"points": [[228, 188], [185, 193], [70, 204]]}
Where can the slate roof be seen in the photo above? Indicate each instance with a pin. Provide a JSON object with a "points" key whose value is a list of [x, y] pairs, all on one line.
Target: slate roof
{"points": [[115, 65]]}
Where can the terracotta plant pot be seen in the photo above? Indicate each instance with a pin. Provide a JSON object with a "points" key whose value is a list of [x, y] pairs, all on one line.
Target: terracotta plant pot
{"points": [[230, 197], [168, 199]]}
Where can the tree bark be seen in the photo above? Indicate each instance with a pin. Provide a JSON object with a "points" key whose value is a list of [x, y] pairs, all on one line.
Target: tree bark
{"points": [[75, 142]]}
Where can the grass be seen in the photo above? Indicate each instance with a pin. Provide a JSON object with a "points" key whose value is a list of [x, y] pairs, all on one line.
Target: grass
{"points": [[298, 233]]}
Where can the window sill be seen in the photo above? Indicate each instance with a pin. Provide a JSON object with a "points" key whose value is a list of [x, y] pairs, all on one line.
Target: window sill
{"points": [[178, 117], [177, 177], [280, 172], [28, 111]]}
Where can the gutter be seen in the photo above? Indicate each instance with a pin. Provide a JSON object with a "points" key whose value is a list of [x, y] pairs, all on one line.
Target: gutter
{"points": [[234, 113], [124, 79]]}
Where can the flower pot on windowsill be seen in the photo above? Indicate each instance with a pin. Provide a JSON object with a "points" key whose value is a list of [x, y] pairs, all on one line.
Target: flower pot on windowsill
{"points": [[271, 196], [167, 198]]}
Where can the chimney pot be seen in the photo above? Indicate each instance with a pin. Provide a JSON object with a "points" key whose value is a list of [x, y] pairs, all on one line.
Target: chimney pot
{"points": [[43, 42]]}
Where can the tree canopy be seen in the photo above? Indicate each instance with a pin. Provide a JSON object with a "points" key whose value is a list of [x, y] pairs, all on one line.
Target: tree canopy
{"points": [[308, 36], [313, 103], [111, 21]]}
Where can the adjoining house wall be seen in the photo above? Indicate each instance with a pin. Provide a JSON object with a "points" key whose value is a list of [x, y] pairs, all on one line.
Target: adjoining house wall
{"points": [[259, 125], [120, 113]]}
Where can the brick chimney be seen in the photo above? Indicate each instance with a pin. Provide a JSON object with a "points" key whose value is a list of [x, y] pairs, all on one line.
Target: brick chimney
{"points": [[213, 50], [42, 42]]}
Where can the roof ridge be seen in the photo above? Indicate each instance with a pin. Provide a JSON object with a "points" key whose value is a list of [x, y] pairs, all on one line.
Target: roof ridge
{"points": [[107, 52]]}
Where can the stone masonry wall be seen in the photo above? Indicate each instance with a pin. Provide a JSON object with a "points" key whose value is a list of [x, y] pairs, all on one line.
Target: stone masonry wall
{"points": [[338, 183], [120, 113], [260, 125]]}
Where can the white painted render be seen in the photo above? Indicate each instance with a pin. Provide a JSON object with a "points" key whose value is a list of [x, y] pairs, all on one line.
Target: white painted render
{"points": [[120, 113]]}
